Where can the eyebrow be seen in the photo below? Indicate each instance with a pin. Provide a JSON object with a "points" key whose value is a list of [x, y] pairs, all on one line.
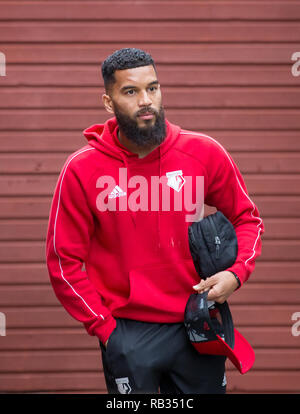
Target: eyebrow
{"points": [[134, 87]]}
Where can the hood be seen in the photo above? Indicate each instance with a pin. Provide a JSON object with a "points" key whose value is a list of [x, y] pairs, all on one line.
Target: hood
{"points": [[104, 138]]}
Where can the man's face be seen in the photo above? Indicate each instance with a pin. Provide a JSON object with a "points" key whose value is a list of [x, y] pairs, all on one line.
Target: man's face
{"points": [[135, 99]]}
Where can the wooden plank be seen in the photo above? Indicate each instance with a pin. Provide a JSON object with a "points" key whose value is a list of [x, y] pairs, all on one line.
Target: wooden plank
{"points": [[68, 141], [42, 141], [22, 252], [275, 271], [267, 162], [277, 229], [272, 184], [278, 250], [277, 206], [37, 273], [267, 315], [50, 361], [25, 207], [57, 317], [28, 296], [254, 381], [263, 337], [18, 230], [273, 359], [251, 294], [288, 228], [149, 32], [44, 382], [267, 294], [28, 185], [32, 163], [277, 163], [243, 119], [39, 207], [174, 75], [266, 381], [46, 339], [24, 273], [257, 140], [190, 97], [42, 317], [87, 361], [34, 251], [192, 119], [44, 185], [150, 10], [23, 230], [278, 54], [70, 339]]}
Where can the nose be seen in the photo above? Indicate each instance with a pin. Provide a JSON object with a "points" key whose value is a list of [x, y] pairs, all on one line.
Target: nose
{"points": [[144, 99]]}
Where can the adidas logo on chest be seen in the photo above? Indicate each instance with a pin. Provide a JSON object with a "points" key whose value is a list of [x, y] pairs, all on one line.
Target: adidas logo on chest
{"points": [[117, 192]]}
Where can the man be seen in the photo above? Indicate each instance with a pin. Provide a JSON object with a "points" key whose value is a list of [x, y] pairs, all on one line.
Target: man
{"points": [[121, 208]]}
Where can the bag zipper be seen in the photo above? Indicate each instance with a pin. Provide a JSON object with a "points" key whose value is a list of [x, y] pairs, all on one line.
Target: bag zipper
{"points": [[217, 239]]}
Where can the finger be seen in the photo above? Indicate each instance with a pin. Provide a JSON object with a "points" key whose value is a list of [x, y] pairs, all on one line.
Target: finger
{"points": [[198, 288], [200, 285], [207, 283], [214, 294], [202, 290], [215, 297], [221, 300]]}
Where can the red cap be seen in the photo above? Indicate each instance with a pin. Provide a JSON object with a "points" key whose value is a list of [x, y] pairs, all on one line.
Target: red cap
{"points": [[210, 336]]}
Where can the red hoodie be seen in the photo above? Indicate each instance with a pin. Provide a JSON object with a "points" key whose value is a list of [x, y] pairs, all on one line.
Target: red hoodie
{"points": [[117, 243]]}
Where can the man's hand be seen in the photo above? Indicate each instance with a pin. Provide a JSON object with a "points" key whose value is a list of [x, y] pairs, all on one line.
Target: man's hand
{"points": [[220, 286]]}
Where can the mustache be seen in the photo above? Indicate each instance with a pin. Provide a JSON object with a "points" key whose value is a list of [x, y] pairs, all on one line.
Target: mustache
{"points": [[146, 111]]}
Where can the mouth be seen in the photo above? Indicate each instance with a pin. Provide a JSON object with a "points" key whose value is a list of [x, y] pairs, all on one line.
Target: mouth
{"points": [[146, 115]]}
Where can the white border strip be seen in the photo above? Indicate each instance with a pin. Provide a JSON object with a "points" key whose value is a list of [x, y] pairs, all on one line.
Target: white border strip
{"points": [[54, 236], [255, 217]]}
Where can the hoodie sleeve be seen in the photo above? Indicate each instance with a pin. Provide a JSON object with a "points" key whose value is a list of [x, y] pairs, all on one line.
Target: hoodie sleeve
{"points": [[226, 191], [70, 229]]}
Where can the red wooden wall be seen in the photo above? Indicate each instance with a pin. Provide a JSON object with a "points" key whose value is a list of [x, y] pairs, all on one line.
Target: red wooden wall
{"points": [[225, 68]]}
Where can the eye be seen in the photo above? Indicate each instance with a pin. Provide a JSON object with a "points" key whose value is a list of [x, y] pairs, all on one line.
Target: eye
{"points": [[130, 92], [153, 88]]}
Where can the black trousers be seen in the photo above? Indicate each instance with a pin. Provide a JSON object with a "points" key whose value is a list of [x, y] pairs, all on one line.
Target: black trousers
{"points": [[151, 358]]}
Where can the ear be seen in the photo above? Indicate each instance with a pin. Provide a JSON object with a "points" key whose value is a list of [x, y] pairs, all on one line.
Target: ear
{"points": [[108, 104]]}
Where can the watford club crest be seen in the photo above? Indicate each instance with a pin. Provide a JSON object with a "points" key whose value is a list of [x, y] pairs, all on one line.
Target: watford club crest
{"points": [[123, 385], [175, 180]]}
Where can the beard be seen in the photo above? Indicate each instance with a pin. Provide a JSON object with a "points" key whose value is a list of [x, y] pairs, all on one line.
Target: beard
{"points": [[147, 136]]}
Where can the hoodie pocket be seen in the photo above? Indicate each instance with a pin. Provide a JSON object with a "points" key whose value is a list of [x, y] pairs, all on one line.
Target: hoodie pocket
{"points": [[160, 292]]}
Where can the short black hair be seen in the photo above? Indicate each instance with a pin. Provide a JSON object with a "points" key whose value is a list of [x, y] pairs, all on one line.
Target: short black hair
{"points": [[126, 58]]}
